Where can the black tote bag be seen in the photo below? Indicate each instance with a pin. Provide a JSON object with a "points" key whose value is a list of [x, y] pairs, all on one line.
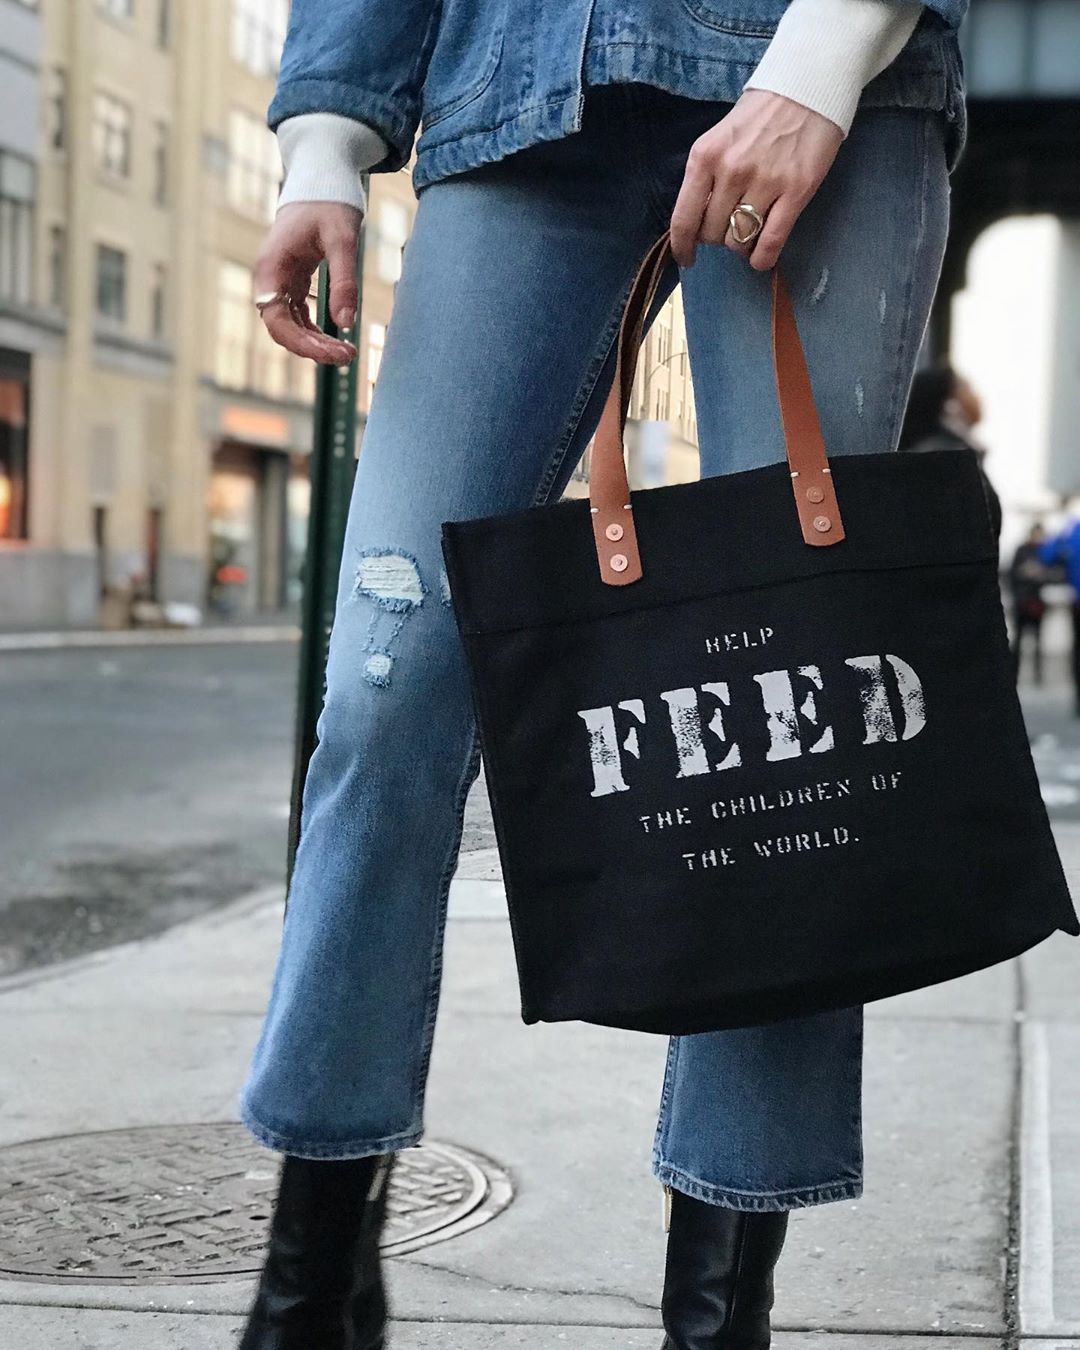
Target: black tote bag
{"points": [[753, 744]]}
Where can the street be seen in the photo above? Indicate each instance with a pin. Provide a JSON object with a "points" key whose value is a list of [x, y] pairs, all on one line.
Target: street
{"points": [[142, 786]]}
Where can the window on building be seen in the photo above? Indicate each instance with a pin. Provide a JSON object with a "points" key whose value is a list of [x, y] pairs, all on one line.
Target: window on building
{"points": [[17, 190], [246, 357], [663, 336], [57, 266], [112, 135], [232, 365], [14, 400], [269, 362], [117, 9], [376, 343], [160, 163], [254, 166], [392, 230], [164, 23], [303, 375], [158, 301], [258, 33], [57, 108], [111, 290]]}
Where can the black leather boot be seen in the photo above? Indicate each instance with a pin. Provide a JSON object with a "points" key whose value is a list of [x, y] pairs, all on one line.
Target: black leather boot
{"points": [[718, 1279], [321, 1287]]}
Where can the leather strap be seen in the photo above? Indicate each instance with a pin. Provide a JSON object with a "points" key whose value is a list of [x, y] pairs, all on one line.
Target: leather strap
{"points": [[609, 490]]}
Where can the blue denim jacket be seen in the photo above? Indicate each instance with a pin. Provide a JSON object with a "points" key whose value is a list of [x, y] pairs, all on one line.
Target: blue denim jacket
{"points": [[488, 77]]}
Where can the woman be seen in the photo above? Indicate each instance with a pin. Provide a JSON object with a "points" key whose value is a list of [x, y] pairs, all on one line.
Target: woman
{"points": [[558, 142], [942, 413]]}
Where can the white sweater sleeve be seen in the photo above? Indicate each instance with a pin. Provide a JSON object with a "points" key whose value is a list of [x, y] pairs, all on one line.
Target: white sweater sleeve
{"points": [[324, 155], [825, 51]]}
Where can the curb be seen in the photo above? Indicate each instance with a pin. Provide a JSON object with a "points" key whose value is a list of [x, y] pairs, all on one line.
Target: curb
{"points": [[145, 637], [212, 918]]}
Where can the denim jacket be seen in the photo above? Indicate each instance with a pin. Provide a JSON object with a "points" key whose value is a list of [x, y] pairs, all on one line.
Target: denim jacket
{"points": [[484, 78]]}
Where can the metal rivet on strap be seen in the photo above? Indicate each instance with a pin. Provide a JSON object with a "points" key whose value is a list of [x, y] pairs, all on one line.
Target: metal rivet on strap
{"points": [[614, 532], [619, 562], [815, 495], [822, 524]]}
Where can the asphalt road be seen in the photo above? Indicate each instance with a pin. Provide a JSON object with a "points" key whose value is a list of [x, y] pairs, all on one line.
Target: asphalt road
{"points": [[141, 786]]}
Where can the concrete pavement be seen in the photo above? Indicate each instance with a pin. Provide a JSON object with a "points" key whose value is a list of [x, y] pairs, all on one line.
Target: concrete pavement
{"points": [[969, 1234]]}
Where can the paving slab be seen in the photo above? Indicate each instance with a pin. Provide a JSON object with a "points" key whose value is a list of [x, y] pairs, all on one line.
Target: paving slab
{"points": [[78, 1329]]}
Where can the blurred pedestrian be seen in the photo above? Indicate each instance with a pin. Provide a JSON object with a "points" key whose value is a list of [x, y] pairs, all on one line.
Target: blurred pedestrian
{"points": [[942, 413], [1028, 574], [558, 142], [1063, 550]]}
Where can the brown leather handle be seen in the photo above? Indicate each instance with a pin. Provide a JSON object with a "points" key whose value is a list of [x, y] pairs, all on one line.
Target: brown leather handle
{"points": [[609, 490]]}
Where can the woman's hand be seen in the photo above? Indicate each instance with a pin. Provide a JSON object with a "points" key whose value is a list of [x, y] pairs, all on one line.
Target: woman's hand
{"points": [[302, 235], [769, 152]]}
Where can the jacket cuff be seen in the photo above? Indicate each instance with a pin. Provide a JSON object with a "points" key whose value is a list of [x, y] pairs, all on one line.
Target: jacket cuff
{"points": [[824, 52], [324, 155]]}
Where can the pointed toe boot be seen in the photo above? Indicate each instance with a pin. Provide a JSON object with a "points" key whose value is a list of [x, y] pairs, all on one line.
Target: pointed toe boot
{"points": [[718, 1278], [321, 1287]]}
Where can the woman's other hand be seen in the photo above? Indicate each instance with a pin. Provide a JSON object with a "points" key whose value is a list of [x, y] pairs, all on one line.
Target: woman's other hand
{"points": [[769, 152], [302, 236]]}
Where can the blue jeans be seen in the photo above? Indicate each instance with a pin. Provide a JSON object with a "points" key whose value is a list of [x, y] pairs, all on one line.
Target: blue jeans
{"points": [[496, 365]]}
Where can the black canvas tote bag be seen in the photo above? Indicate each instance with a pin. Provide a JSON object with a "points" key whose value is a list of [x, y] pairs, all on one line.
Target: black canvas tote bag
{"points": [[753, 744]]}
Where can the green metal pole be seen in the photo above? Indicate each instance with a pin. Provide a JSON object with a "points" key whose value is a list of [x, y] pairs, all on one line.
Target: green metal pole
{"points": [[333, 465]]}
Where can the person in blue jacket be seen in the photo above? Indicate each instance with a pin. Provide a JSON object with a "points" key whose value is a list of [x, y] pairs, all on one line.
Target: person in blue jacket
{"points": [[1063, 550], [556, 143]]}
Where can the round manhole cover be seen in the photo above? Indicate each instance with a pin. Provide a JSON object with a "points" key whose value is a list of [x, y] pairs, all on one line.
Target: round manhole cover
{"points": [[192, 1202]]}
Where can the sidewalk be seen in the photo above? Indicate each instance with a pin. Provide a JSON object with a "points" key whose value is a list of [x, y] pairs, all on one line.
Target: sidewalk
{"points": [[973, 1152], [58, 639]]}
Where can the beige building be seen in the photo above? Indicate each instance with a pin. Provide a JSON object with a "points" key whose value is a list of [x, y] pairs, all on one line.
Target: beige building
{"points": [[152, 438]]}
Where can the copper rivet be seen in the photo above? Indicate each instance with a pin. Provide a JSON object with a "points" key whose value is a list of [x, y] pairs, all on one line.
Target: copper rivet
{"points": [[822, 524], [614, 531], [815, 495], [619, 562]]}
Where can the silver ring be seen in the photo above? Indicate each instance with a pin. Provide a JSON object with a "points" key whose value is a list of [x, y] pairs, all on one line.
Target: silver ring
{"points": [[756, 222], [268, 298]]}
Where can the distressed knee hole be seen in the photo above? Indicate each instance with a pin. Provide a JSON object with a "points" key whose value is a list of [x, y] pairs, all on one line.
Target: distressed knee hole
{"points": [[391, 582]]}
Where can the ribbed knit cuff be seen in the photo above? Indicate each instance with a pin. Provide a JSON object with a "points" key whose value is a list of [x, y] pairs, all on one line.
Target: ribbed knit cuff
{"points": [[825, 52], [324, 155]]}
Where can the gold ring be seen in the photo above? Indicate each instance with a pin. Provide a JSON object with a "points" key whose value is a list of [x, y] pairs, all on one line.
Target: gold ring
{"points": [[755, 218]]}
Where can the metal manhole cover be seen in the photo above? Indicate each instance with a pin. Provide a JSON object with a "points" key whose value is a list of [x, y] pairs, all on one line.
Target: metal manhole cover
{"points": [[191, 1202]]}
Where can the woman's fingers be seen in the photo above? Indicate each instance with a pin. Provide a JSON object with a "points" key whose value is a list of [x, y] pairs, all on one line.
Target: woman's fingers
{"points": [[764, 251], [770, 152], [287, 329], [691, 203], [339, 249], [302, 235]]}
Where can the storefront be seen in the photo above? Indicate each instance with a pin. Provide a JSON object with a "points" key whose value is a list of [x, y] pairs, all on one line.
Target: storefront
{"points": [[14, 443], [259, 496]]}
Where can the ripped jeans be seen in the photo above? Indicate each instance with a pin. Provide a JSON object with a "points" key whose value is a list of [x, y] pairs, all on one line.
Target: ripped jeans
{"points": [[496, 364]]}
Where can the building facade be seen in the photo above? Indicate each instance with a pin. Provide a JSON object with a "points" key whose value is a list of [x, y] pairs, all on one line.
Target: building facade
{"points": [[152, 439]]}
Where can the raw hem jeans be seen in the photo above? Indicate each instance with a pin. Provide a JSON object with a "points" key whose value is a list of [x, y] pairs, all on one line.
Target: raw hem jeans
{"points": [[495, 368]]}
